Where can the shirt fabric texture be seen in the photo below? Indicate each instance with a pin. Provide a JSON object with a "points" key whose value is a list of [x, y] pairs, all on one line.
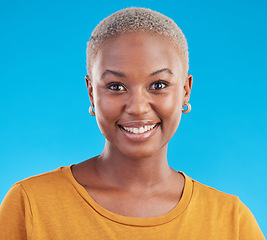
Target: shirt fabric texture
{"points": [[55, 206]]}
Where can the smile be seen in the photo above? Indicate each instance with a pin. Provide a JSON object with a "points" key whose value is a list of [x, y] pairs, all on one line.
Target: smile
{"points": [[139, 130]]}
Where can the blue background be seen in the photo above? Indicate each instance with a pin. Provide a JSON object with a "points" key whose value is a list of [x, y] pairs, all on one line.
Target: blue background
{"points": [[44, 104]]}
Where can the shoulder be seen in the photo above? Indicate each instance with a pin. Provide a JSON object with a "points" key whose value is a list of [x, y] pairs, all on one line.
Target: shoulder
{"points": [[47, 177], [213, 202], [44, 184], [204, 194], [222, 211], [210, 193], [33, 189]]}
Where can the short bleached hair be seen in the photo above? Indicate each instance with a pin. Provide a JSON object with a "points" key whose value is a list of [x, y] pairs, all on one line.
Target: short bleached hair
{"points": [[136, 20]]}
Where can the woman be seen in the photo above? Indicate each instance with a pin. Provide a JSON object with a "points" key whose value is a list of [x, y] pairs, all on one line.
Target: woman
{"points": [[138, 82]]}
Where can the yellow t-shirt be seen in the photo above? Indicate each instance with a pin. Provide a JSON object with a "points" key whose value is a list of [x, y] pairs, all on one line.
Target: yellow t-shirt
{"points": [[55, 206]]}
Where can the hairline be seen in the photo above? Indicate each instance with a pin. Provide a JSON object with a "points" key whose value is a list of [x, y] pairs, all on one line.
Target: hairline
{"points": [[184, 62]]}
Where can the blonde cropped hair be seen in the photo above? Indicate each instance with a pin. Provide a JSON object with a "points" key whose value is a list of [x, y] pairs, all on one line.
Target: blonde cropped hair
{"points": [[136, 20]]}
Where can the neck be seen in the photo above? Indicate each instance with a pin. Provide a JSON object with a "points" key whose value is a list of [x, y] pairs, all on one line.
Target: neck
{"points": [[133, 173]]}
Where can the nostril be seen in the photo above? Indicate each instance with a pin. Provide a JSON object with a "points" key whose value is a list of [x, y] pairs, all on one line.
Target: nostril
{"points": [[138, 102], [137, 108]]}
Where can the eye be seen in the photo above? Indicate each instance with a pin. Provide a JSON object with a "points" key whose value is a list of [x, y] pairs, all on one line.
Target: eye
{"points": [[116, 87], [158, 85]]}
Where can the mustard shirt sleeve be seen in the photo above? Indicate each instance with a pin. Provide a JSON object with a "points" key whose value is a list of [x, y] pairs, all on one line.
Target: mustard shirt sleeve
{"points": [[15, 215], [248, 226]]}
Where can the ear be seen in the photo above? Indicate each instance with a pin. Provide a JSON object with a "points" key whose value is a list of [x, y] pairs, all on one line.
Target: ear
{"points": [[187, 88], [90, 88]]}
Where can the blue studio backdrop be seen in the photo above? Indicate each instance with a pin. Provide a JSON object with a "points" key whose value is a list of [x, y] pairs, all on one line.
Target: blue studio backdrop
{"points": [[45, 122]]}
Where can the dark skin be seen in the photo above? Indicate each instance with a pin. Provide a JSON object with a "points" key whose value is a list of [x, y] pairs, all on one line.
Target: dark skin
{"points": [[137, 81]]}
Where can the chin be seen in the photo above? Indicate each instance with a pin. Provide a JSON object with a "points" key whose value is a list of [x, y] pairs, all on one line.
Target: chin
{"points": [[139, 153]]}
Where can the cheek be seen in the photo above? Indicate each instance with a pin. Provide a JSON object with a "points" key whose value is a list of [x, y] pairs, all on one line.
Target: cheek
{"points": [[171, 104], [171, 111], [107, 112]]}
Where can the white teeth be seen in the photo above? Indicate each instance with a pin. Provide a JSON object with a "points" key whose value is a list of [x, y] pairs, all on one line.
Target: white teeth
{"points": [[139, 130], [135, 130]]}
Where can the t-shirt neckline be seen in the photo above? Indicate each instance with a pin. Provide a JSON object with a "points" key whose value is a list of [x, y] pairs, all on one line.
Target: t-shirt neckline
{"points": [[134, 221]]}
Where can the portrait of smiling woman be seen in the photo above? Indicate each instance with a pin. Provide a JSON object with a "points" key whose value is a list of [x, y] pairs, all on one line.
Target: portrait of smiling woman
{"points": [[139, 87]]}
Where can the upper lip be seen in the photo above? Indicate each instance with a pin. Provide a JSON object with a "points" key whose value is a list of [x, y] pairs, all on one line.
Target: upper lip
{"points": [[138, 123]]}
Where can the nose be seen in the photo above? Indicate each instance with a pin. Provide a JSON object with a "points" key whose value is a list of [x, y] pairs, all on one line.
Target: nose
{"points": [[138, 103]]}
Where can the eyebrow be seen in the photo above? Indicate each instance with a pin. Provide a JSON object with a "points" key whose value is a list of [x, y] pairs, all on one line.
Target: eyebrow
{"points": [[161, 70], [118, 74]]}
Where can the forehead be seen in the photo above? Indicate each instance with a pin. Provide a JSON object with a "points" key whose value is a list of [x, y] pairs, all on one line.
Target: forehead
{"points": [[142, 52]]}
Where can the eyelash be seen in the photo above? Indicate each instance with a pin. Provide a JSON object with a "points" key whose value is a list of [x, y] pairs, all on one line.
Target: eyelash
{"points": [[119, 87], [159, 82], [116, 84]]}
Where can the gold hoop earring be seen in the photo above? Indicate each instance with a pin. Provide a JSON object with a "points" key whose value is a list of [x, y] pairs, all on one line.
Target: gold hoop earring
{"points": [[188, 105], [91, 110]]}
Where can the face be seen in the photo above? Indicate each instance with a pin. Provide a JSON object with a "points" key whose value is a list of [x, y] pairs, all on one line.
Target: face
{"points": [[138, 87]]}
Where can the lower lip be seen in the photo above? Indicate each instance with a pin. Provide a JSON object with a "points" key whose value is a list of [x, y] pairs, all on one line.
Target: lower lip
{"points": [[139, 137]]}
